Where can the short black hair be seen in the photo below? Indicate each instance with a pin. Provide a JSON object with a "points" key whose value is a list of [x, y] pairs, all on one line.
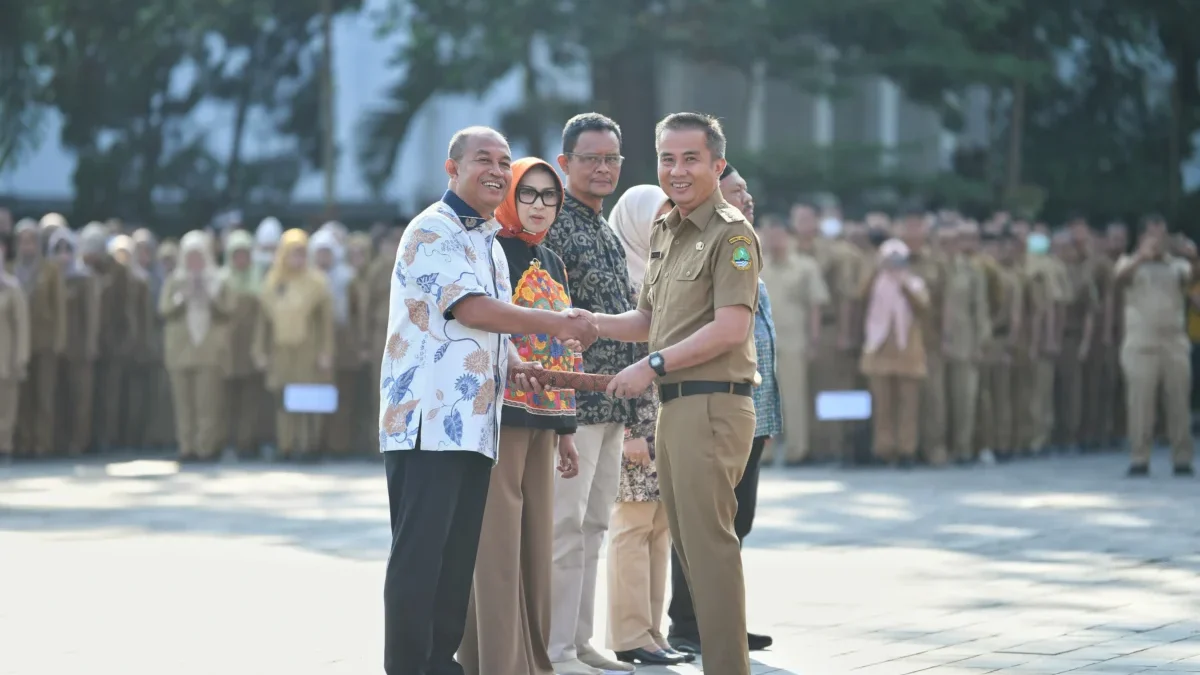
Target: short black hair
{"points": [[728, 171], [592, 121], [458, 142], [711, 126]]}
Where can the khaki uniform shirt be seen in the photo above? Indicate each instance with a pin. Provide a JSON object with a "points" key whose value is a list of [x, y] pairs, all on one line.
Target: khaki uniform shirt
{"points": [[698, 264], [966, 309], [1084, 300], [1155, 303], [797, 289], [839, 267], [931, 267]]}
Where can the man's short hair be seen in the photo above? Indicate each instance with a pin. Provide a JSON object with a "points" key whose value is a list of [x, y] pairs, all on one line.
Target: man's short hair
{"points": [[458, 142], [728, 171], [711, 126], [592, 121]]}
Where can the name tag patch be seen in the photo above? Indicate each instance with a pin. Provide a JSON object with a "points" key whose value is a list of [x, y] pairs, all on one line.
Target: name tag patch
{"points": [[655, 255]]}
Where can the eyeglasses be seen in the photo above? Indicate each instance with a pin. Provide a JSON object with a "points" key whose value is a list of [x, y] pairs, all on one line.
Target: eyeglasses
{"points": [[593, 161], [528, 195]]}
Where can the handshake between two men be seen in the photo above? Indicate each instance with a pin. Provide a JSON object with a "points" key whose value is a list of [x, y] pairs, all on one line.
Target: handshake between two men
{"points": [[578, 329]]}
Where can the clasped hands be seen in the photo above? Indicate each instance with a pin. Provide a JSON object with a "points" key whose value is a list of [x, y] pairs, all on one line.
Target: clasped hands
{"points": [[578, 329]]}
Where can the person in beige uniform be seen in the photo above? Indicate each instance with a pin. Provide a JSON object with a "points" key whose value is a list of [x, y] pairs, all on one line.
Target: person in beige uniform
{"points": [[133, 390], [966, 328], [927, 265], [1078, 328], [1155, 351], [244, 389], [1045, 340], [696, 308], [293, 341], [195, 305], [329, 256], [998, 426], [833, 367], [14, 355], [44, 298], [799, 295]]}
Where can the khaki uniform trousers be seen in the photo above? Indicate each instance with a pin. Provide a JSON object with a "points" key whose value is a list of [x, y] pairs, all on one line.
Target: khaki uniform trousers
{"points": [[933, 408], [508, 617], [639, 555], [1146, 371], [36, 424], [339, 430], [792, 372], [109, 401], [10, 400], [895, 404], [1068, 395], [962, 405], [136, 417], [245, 399], [298, 433], [1024, 386], [1097, 398], [196, 394], [996, 427], [1041, 404], [833, 370], [76, 383], [702, 444]]}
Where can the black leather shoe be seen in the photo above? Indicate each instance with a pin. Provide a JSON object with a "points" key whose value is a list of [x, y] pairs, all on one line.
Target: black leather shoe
{"points": [[1184, 471], [646, 657], [758, 642], [686, 645], [687, 658], [1138, 471]]}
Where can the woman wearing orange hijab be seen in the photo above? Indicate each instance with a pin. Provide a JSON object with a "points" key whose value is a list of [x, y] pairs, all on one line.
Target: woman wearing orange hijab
{"points": [[508, 620]]}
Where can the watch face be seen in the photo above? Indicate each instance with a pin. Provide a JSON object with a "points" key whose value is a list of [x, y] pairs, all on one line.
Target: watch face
{"points": [[656, 360]]}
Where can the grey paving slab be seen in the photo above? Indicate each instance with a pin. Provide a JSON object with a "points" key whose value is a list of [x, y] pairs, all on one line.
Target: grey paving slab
{"points": [[1034, 568]]}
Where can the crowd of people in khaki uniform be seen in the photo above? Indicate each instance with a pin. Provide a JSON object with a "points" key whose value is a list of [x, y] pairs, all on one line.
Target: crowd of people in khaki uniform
{"points": [[980, 341], [115, 341]]}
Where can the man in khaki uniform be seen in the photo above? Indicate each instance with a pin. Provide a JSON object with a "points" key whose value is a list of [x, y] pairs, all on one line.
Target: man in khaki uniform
{"points": [[46, 302], [798, 295], [697, 310], [1077, 329], [834, 367], [1155, 352], [914, 232], [1115, 244], [998, 425], [1097, 430], [1046, 339], [966, 328]]}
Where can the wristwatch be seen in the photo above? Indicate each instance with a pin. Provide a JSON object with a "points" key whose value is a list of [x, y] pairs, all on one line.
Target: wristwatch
{"points": [[656, 362]]}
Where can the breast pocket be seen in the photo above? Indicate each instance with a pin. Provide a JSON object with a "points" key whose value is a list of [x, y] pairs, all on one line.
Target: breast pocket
{"points": [[689, 268]]}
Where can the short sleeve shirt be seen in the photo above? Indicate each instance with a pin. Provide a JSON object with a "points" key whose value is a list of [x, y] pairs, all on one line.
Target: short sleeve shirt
{"points": [[699, 264], [442, 381], [1155, 303], [798, 289]]}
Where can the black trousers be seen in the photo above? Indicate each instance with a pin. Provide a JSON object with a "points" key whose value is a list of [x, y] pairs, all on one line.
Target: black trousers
{"points": [[681, 611], [437, 501]]}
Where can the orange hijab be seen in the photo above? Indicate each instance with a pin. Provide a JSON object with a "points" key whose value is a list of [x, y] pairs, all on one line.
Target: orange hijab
{"points": [[506, 214]]}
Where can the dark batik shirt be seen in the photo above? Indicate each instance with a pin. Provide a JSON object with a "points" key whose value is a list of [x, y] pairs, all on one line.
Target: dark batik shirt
{"points": [[600, 284]]}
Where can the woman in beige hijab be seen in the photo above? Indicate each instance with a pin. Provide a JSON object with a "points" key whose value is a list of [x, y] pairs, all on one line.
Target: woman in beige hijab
{"points": [[195, 305], [328, 255], [640, 546]]}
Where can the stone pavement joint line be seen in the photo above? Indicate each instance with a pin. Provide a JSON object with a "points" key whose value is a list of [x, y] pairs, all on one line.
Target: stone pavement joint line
{"points": [[1034, 568]]}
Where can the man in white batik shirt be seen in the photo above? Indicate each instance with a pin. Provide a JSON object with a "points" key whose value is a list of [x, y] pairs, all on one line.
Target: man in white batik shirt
{"points": [[443, 373]]}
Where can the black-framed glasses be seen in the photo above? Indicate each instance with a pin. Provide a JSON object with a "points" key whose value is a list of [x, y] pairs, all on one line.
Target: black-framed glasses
{"points": [[550, 197], [593, 161]]}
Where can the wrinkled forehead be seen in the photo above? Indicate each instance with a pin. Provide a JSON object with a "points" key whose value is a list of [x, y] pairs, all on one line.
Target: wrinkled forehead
{"points": [[487, 144]]}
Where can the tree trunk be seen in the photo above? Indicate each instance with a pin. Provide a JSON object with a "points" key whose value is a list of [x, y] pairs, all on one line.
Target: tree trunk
{"points": [[534, 108], [1016, 134], [327, 95], [624, 87], [233, 167]]}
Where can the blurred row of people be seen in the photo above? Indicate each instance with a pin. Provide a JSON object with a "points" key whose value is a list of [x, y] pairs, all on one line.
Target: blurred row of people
{"points": [[115, 340], [980, 341]]}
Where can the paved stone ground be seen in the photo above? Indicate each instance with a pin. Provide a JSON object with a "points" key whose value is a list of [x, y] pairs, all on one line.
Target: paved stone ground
{"points": [[1040, 567]]}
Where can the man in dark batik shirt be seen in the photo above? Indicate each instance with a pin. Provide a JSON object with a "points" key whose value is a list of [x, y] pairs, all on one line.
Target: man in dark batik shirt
{"points": [[599, 283]]}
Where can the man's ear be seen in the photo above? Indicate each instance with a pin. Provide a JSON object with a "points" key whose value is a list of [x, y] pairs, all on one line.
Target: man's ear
{"points": [[562, 163], [721, 166], [452, 169]]}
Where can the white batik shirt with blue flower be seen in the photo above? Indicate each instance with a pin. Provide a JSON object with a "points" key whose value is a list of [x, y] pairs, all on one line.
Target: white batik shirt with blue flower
{"points": [[442, 382]]}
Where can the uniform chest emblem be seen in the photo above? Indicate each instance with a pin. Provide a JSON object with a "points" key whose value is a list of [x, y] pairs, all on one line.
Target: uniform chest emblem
{"points": [[741, 258]]}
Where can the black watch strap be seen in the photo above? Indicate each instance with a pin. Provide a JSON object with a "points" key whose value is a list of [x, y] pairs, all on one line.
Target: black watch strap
{"points": [[656, 362]]}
